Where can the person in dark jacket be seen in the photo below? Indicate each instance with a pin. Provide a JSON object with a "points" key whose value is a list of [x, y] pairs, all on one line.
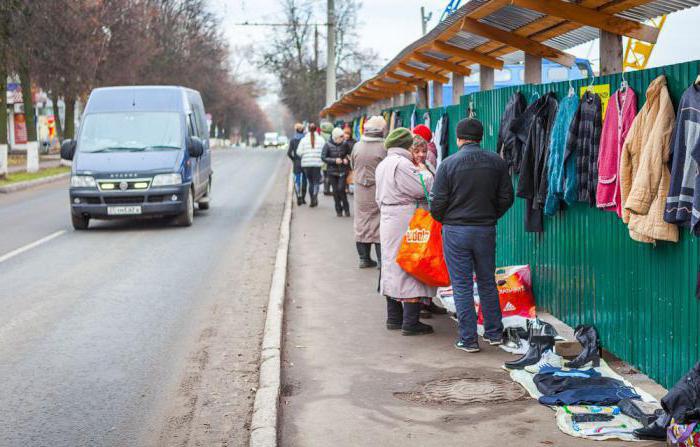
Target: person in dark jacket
{"points": [[300, 182], [472, 190], [336, 156]]}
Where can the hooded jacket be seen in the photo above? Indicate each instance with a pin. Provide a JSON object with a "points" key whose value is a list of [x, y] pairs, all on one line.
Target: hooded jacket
{"points": [[644, 174], [683, 202], [509, 146]]}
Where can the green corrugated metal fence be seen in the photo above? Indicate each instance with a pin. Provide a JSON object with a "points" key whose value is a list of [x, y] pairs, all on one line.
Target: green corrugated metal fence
{"points": [[586, 269]]}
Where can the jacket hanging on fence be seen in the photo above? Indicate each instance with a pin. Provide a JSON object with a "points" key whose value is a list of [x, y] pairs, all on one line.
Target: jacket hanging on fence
{"points": [[583, 144], [532, 184], [445, 136], [562, 176], [509, 146], [683, 202], [644, 174], [621, 111]]}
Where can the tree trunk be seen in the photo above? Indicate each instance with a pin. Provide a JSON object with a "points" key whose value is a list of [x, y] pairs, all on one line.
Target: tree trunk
{"points": [[26, 82], [57, 118], [70, 117], [3, 102]]}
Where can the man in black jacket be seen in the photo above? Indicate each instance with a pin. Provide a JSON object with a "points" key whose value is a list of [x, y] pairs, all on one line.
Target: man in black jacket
{"points": [[300, 182], [472, 190]]}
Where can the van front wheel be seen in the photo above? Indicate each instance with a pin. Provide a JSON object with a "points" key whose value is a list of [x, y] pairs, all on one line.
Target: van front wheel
{"points": [[80, 222], [186, 218]]}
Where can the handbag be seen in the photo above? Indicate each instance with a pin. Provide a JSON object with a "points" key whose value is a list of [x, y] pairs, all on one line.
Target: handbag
{"points": [[421, 254]]}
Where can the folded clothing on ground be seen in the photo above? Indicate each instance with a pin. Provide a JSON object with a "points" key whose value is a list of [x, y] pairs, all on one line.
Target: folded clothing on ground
{"points": [[576, 390], [560, 372]]}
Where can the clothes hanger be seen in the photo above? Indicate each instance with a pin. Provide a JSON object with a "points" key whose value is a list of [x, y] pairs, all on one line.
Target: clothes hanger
{"points": [[471, 109], [590, 86], [623, 84]]}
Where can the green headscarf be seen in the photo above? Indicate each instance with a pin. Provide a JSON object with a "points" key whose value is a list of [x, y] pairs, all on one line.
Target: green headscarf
{"points": [[399, 137]]}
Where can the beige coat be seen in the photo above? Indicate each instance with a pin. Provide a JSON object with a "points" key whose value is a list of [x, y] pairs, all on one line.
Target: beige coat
{"points": [[644, 175], [366, 155], [399, 191]]}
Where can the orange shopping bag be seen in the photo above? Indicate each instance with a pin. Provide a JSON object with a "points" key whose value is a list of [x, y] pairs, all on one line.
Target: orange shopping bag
{"points": [[420, 254]]}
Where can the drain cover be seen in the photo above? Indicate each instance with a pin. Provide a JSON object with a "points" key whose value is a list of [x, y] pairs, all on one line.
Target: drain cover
{"points": [[465, 391]]}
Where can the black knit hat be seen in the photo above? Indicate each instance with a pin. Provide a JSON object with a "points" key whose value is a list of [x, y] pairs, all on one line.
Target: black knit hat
{"points": [[470, 129]]}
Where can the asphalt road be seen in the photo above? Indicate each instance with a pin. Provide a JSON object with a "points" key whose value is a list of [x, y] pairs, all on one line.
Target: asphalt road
{"points": [[97, 328]]}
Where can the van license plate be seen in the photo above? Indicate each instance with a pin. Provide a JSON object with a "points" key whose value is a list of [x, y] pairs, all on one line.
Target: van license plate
{"points": [[123, 210]]}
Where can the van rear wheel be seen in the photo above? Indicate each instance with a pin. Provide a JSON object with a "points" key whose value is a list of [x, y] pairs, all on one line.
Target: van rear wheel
{"points": [[80, 222], [186, 218]]}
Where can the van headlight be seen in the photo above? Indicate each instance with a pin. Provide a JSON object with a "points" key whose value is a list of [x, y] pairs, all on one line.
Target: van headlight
{"points": [[167, 180], [82, 181]]}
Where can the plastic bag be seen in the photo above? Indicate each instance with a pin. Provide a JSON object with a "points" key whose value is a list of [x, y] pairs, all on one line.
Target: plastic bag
{"points": [[514, 295], [420, 254]]}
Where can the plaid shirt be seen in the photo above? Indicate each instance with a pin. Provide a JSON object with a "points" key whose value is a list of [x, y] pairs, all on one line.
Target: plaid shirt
{"points": [[583, 143]]}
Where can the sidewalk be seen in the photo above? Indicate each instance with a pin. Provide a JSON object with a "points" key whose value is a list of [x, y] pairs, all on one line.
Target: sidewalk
{"points": [[343, 371]]}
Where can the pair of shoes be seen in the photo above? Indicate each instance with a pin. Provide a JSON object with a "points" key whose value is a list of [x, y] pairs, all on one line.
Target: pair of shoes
{"points": [[548, 359], [591, 352], [417, 329], [467, 347], [435, 309], [367, 263], [512, 338], [493, 341], [538, 345], [339, 214]]}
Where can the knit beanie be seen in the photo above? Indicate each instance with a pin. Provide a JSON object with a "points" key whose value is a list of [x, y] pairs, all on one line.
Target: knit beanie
{"points": [[423, 131], [399, 137], [470, 129], [326, 129], [337, 134], [374, 127]]}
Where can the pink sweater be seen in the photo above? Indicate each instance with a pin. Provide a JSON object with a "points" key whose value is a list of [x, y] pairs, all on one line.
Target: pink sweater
{"points": [[621, 111]]}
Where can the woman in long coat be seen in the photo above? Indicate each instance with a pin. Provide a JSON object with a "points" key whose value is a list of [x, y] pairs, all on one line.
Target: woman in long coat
{"points": [[365, 157], [399, 192]]}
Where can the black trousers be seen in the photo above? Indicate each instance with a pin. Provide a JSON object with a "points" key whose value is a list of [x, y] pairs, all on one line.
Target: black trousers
{"points": [[340, 195], [313, 175]]}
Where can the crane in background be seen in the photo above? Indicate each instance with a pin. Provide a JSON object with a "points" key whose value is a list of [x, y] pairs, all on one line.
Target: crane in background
{"points": [[637, 53]]}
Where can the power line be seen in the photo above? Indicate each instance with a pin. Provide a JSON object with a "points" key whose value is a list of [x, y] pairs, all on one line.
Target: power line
{"points": [[278, 24]]}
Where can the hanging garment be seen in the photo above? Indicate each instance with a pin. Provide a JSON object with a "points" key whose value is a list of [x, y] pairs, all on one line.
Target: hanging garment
{"points": [[644, 175], [444, 138], [509, 146], [532, 184], [437, 136], [413, 118], [621, 111], [392, 121], [583, 144], [426, 120], [683, 202], [562, 176]]}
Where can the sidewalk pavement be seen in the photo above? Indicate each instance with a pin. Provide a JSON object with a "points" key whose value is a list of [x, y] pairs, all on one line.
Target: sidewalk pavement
{"points": [[342, 368]]}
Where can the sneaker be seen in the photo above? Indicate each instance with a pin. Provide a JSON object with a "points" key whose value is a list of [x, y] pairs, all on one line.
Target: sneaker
{"points": [[494, 341], [548, 359], [467, 347]]}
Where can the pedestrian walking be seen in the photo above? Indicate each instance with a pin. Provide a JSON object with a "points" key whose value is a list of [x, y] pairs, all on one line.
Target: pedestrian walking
{"points": [[350, 142], [310, 149], [326, 128], [336, 155], [300, 182], [365, 157], [472, 190], [399, 191]]}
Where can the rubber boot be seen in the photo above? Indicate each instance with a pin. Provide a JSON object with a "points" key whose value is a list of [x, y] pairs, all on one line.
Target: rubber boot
{"points": [[538, 344], [588, 337], [411, 325], [394, 314], [364, 249]]}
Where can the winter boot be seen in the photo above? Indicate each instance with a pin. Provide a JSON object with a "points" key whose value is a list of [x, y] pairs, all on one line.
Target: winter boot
{"points": [[363, 249], [411, 325], [538, 345], [300, 201], [314, 201], [394, 314], [656, 430], [435, 309], [588, 337]]}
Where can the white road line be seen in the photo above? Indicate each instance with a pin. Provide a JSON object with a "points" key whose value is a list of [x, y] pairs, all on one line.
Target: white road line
{"points": [[28, 247]]}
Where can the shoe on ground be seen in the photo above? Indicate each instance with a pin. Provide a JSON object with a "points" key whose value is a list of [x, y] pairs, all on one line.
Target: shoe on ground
{"points": [[425, 314], [493, 341], [549, 359], [435, 309], [393, 326], [339, 214], [418, 329], [300, 201], [347, 214], [467, 347], [367, 263]]}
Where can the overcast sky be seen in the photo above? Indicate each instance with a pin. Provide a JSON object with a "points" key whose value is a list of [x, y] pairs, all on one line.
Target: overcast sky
{"points": [[388, 26]]}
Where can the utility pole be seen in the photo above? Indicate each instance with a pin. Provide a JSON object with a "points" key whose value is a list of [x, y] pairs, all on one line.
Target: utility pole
{"points": [[330, 63], [316, 48], [424, 19]]}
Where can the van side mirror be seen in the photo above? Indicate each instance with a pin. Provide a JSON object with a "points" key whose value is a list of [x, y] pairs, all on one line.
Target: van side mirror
{"points": [[195, 147], [68, 149]]}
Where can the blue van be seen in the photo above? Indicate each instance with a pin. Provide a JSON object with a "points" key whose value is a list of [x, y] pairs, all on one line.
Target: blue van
{"points": [[140, 152]]}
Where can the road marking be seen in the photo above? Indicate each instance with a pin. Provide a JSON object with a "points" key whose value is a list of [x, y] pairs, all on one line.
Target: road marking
{"points": [[28, 247]]}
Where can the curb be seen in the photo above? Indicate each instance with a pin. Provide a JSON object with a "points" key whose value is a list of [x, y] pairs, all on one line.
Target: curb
{"points": [[263, 427], [21, 186]]}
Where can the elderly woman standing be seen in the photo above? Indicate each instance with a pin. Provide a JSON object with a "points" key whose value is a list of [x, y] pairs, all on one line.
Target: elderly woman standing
{"points": [[365, 157], [399, 192]]}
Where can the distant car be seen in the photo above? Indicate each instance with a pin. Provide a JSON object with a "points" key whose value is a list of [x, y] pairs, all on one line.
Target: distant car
{"points": [[271, 139], [140, 151], [282, 141]]}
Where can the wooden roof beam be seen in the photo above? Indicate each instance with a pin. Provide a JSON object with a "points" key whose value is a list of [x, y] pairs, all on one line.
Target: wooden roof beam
{"points": [[407, 80], [592, 17], [391, 87], [368, 93], [423, 73], [472, 56], [522, 43], [442, 64]]}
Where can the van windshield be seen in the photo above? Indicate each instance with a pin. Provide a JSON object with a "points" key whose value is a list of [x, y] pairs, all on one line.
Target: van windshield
{"points": [[130, 132]]}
